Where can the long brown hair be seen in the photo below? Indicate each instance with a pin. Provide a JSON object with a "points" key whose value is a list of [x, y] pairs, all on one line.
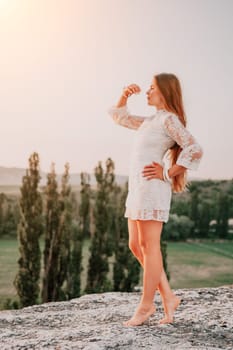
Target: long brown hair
{"points": [[170, 88]]}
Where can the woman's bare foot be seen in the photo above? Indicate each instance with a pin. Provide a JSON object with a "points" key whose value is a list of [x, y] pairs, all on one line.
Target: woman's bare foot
{"points": [[169, 308], [140, 316]]}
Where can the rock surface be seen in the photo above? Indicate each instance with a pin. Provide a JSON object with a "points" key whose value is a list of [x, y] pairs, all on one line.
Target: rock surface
{"points": [[204, 320]]}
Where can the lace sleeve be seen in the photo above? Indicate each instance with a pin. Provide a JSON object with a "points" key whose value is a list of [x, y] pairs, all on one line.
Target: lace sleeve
{"points": [[122, 116], [192, 152]]}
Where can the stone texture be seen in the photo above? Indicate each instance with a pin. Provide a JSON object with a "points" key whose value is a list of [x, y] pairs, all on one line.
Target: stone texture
{"points": [[204, 320]]}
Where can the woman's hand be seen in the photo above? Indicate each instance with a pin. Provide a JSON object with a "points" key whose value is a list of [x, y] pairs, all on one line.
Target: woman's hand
{"points": [[153, 171], [131, 89]]}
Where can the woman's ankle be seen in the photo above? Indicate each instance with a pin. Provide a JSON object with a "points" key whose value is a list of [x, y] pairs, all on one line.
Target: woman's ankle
{"points": [[169, 297], [146, 306]]}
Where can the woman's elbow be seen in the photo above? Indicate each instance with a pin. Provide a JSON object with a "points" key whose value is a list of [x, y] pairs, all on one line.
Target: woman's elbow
{"points": [[200, 152], [197, 153]]}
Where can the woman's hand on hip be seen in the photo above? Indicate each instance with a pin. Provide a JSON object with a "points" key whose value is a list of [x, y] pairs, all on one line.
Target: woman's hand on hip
{"points": [[153, 171]]}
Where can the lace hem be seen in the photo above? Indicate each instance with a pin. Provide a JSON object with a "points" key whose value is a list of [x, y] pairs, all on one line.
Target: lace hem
{"points": [[147, 214]]}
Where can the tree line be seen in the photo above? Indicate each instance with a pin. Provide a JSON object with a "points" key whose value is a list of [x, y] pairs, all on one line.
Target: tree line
{"points": [[56, 216], [204, 211]]}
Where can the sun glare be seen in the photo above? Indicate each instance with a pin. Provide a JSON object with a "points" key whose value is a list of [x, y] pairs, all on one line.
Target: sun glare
{"points": [[6, 4], [8, 9], [3, 2]]}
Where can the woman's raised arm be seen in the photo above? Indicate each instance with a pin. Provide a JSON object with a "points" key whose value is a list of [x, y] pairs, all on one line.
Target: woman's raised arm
{"points": [[120, 112], [122, 116]]}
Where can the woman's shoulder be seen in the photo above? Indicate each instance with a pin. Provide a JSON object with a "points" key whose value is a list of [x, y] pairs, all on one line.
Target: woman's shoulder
{"points": [[167, 115], [162, 118]]}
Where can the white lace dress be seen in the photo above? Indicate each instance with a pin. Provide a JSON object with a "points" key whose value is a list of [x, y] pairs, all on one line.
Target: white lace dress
{"points": [[150, 199]]}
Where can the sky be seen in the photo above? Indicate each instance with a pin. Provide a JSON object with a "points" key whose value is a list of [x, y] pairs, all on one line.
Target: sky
{"points": [[64, 63]]}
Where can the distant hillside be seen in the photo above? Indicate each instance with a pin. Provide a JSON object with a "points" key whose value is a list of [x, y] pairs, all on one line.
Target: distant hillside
{"points": [[13, 177]]}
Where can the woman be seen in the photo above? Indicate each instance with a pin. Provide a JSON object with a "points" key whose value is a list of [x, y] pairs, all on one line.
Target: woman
{"points": [[151, 183]]}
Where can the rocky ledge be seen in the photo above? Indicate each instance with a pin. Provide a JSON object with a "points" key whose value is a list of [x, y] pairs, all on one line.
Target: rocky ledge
{"points": [[203, 320]]}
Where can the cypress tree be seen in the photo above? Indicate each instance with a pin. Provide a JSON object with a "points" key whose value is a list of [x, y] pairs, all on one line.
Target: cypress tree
{"points": [[75, 265], [57, 236], [81, 229], [222, 216], [29, 230], [84, 208], [126, 268], [98, 266], [52, 243], [65, 228]]}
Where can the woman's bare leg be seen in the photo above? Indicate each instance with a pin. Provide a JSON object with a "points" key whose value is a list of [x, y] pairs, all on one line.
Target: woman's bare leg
{"points": [[149, 240], [169, 299]]}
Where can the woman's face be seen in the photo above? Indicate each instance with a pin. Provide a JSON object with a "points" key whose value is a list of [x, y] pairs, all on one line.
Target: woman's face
{"points": [[154, 97]]}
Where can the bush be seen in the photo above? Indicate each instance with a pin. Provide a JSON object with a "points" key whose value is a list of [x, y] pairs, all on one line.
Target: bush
{"points": [[177, 228]]}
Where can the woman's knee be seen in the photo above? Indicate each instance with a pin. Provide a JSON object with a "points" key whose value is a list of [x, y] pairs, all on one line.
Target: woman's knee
{"points": [[134, 246], [133, 236], [149, 237], [147, 248]]}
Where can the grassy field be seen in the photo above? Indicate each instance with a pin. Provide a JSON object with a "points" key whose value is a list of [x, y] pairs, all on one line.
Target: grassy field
{"points": [[191, 265], [200, 264]]}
